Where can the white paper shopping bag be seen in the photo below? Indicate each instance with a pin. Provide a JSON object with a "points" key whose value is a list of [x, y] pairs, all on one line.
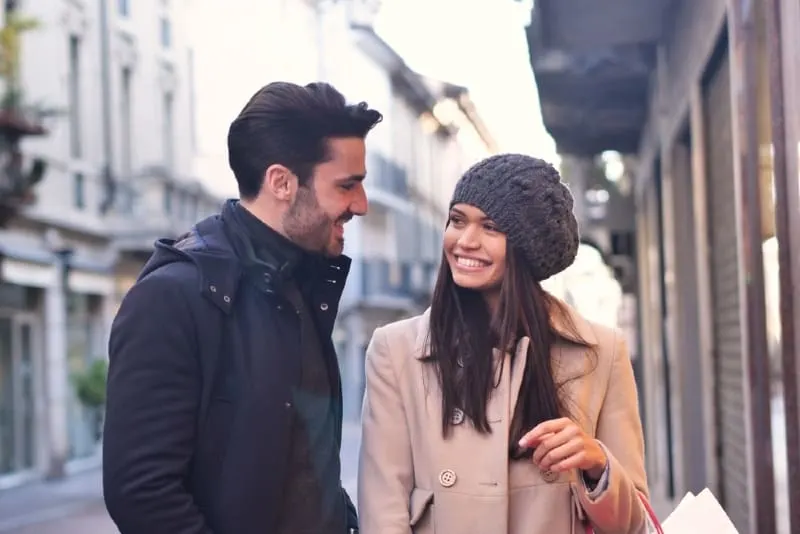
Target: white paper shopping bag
{"points": [[699, 514]]}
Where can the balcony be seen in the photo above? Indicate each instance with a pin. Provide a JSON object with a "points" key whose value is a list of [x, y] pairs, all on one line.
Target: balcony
{"points": [[393, 285], [593, 71], [387, 183], [154, 206]]}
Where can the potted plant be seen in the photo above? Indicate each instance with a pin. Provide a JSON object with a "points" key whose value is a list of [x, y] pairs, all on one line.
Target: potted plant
{"points": [[90, 388]]}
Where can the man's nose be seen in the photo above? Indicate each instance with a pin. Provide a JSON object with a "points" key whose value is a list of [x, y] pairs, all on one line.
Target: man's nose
{"points": [[360, 205]]}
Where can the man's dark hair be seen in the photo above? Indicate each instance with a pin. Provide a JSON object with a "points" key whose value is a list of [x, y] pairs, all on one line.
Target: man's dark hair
{"points": [[288, 124]]}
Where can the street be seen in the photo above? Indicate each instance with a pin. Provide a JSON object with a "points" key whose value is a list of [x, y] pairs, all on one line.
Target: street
{"points": [[92, 519], [75, 506]]}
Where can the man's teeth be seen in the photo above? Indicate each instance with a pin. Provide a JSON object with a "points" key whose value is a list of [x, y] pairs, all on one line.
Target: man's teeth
{"points": [[468, 262]]}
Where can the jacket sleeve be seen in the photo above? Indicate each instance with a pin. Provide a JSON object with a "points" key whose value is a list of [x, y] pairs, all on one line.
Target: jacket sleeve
{"points": [[617, 506], [385, 475], [352, 514], [153, 396]]}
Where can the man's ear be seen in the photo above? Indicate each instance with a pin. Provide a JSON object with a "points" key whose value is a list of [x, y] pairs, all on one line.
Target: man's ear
{"points": [[280, 182]]}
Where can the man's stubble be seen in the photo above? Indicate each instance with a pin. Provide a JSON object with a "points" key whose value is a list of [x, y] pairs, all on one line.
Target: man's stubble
{"points": [[306, 224]]}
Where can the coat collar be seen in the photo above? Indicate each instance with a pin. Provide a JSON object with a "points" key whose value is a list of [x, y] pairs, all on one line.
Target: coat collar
{"points": [[567, 322]]}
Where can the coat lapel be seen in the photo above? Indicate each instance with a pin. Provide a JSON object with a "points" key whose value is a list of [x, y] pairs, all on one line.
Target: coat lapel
{"points": [[575, 334]]}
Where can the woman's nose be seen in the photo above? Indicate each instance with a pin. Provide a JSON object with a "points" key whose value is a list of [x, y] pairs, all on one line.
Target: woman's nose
{"points": [[469, 239]]}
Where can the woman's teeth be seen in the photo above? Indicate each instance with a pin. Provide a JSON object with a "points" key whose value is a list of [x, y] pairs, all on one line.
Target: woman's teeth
{"points": [[468, 262]]}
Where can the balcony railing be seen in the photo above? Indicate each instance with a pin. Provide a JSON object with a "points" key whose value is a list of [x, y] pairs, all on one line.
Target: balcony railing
{"points": [[388, 281], [388, 176], [150, 208]]}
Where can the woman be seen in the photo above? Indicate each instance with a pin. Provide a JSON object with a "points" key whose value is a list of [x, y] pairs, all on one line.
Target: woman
{"points": [[460, 437]]}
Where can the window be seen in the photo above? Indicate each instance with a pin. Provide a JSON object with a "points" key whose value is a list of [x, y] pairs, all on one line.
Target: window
{"points": [[125, 122], [84, 338], [168, 190], [123, 8], [166, 32], [74, 90], [168, 132], [192, 101], [181, 211], [79, 190]]}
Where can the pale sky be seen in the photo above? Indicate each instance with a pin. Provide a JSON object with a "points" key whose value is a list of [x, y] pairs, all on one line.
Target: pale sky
{"points": [[479, 44]]}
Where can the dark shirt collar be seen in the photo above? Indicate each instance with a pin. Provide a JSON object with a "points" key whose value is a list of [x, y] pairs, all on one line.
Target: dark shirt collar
{"points": [[268, 245]]}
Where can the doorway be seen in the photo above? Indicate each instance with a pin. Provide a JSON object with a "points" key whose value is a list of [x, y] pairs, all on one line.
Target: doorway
{"points": [[18, 394]]}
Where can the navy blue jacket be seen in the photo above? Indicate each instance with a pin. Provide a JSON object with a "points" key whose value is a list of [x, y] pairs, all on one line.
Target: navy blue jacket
{"points": [[201, 372]]}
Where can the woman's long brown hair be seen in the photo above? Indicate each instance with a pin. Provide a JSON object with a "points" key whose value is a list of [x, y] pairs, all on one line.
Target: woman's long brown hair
{"points": [[463, 334]]}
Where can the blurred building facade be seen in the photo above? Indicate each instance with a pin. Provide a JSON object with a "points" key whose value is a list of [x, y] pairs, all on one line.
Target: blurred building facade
{"points": [[696, 105], [119, 156]]}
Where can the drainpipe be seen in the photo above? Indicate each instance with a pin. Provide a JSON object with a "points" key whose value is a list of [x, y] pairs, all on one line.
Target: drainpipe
{"points": [[786, 205], [108, 130], [319, 11]]}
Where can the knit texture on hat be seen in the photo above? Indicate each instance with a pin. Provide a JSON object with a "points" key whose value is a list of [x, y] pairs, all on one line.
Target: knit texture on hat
{"points": [[528, 202]]}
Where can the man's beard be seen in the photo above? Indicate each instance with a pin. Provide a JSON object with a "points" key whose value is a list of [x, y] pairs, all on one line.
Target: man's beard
{"points": [[306, 224]]}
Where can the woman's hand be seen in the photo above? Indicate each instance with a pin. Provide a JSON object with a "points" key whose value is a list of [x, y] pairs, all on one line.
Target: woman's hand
{"points": [[561, 445]]}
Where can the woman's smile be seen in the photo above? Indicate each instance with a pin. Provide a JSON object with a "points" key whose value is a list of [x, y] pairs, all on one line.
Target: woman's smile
{"points": [[471, 265]]}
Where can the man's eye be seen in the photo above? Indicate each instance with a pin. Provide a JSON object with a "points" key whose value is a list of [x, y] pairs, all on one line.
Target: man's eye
{"points": [[348, 187]]}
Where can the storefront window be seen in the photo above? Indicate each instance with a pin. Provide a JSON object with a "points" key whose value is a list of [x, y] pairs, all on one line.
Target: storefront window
{"points": [[84, 341]]}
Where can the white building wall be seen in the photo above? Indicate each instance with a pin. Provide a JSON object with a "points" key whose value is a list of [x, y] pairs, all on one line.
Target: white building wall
{"points": [[46, 82], [135, 42], [299, 41], [368, 81]]}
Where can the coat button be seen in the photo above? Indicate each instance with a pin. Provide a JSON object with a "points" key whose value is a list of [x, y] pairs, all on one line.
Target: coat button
{"points": [[458, 417], [323, 306], [447, 478], [549, 476]]}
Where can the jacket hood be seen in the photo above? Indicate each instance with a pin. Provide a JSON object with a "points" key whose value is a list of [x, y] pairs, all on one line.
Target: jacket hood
{"points": [[208, 247]]}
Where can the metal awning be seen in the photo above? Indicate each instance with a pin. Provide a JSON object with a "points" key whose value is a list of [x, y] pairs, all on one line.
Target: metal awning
{"points": [[592, 62]]}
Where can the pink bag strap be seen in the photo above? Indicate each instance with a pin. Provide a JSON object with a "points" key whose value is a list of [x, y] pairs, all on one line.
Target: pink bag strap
{"points": [[655, 524]]}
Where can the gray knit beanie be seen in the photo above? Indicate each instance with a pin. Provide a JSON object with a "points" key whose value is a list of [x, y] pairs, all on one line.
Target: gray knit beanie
{"points": [[528, 202]]}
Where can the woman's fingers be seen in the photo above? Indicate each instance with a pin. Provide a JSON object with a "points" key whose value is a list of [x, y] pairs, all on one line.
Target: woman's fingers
{"points": [[553, 441], [533, 438], [561, 454]]}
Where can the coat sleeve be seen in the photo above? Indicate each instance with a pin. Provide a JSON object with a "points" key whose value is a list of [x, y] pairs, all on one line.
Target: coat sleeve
{"points": [[385, 475], [153, 396], [617, 507]]}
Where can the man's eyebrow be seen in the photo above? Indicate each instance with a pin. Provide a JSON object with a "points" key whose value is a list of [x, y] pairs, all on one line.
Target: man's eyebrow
{"points": [[352, 178]]}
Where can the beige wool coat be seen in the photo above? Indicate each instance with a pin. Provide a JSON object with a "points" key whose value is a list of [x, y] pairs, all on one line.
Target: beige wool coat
{"points": [[412, 480]]}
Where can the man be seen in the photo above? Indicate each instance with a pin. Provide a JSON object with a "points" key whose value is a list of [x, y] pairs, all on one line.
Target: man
{"points": [[224, 410]]}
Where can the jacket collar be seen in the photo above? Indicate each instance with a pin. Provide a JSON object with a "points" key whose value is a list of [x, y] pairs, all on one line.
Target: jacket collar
{"points": [[271, 259], [218, 254], [567, 322]]}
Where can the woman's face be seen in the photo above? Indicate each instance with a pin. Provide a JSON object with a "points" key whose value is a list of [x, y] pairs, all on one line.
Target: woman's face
{"points": [[475, 249]]}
